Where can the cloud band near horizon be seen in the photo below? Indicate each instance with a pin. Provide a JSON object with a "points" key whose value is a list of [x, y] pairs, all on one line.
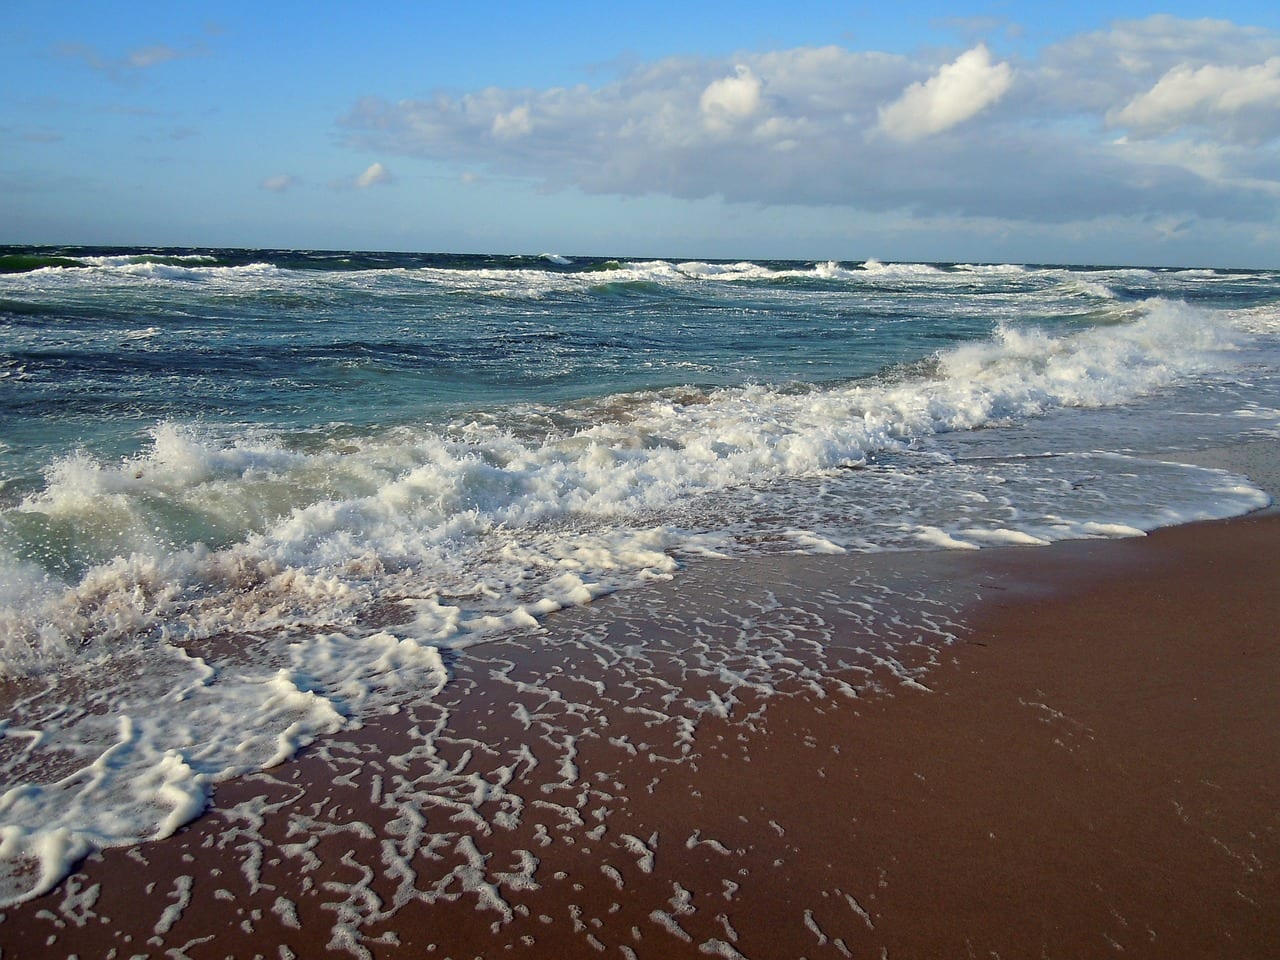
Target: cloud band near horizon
{"points": [[1150, 118]]}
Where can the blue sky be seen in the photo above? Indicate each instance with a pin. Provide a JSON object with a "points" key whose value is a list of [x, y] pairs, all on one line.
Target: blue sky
{"points": [[1117, 133]]}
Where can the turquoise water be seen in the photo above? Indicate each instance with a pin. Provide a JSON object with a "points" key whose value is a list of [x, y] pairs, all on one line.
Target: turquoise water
{"points": [[155, 402], [297, 342], [205, 396], [362, 461]]}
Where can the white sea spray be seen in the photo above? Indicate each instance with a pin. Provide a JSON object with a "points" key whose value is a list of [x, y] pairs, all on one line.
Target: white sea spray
{"points": [[340, 565]]}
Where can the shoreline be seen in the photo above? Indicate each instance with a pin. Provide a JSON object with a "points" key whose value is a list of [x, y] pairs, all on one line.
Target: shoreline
{"points": [[1034, 791]]}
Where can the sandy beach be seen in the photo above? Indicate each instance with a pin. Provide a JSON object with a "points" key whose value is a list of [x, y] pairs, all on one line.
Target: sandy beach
{"points": [[711, 480], [1070, 751]]}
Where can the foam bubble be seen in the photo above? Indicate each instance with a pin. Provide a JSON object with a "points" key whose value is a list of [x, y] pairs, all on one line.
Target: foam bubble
{"points": [[198, 535], [336, 568], [158, 727]]}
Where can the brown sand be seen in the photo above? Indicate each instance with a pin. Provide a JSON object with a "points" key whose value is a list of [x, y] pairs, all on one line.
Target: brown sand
{"points": [[1094, 771]]}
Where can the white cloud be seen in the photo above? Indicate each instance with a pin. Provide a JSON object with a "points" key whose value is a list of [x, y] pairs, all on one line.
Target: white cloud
{"points": [[512, 124], [957, 92], [828, 126], [1242, 100], [373, 176], [279, 183], [1101, 71], [726, 101]]}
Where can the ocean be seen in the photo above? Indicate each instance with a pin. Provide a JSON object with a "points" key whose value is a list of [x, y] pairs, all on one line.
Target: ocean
{"points": [[249, 498]]}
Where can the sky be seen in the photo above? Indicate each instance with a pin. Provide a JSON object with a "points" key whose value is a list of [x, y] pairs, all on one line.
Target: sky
{"points": [[1118, 133]]}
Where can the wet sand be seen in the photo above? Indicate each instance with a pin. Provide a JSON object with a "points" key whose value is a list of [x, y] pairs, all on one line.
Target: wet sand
{"points": [[1089, 766]]}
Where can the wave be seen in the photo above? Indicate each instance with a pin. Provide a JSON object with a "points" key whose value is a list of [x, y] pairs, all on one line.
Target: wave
{"points": [[902, 270], [1078, 286], [315, 281], [171, 269], [549, 269], [993, 269], [336, 569], [199, 515], [159, 259], [26, 262], [689, 275], [90, 274]]}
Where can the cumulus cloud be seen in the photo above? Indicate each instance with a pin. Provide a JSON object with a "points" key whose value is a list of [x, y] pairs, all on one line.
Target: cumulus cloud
{"points": [[374, 175], [957, 92], [1100, 71], [1241, 102], [964, 132], [512, 124], [729, 100]]}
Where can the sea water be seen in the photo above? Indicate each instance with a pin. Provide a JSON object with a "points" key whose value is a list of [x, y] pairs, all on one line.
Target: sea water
{"points": [[248, 497]]}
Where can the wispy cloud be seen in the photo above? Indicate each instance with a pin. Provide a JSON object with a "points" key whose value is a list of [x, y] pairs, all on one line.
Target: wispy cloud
{"points": [[151, 56], [279, 183], [132, 61], [965, 132]]}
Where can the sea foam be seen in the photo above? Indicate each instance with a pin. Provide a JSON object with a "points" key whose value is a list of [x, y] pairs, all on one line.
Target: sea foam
{"points": [[221, 597], [201, 535]]}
